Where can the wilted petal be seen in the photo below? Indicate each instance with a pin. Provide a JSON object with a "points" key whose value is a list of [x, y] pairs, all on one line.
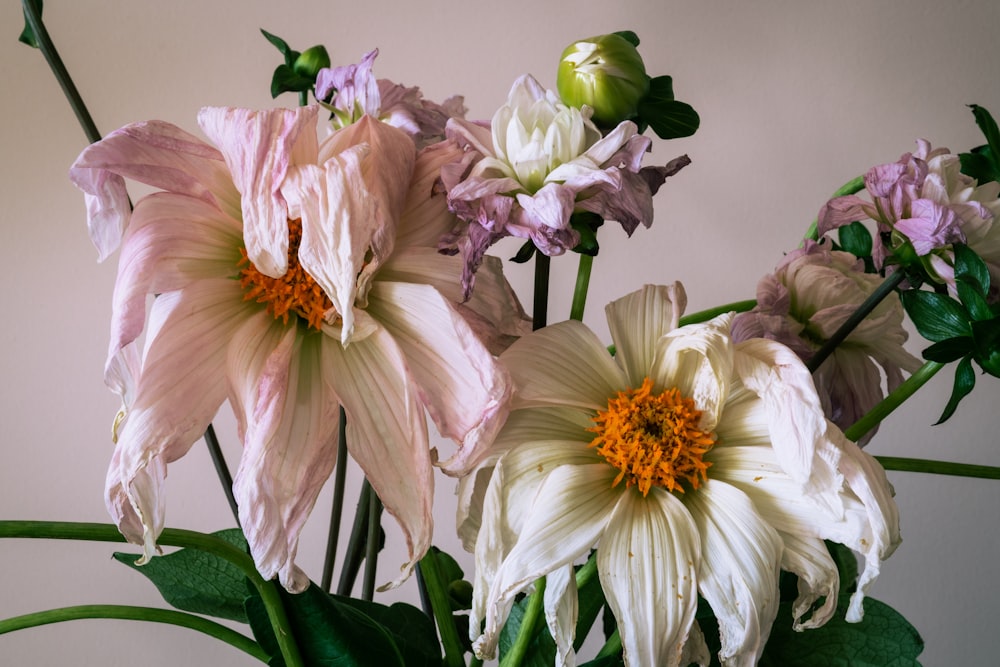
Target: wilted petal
{"points": [[386, 430], [561, 610], [809, 559], [648, 560], [258, 148]]}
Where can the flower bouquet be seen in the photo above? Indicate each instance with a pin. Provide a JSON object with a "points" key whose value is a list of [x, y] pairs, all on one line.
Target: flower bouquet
{"points": [[690, 489]]}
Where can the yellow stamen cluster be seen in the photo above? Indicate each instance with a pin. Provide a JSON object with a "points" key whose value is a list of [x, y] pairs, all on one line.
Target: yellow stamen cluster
{"points": [[293, 293], [653, 440]]}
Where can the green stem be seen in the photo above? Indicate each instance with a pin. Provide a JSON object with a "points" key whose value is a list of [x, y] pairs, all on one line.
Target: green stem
{"points": [[849, 188], [222, 470], [706, 315], [130, 613], [175, 537], [515, 656], [611, 647], [886, 288], [355, 551], [896, 398], [372, 546], [48, 49], [582, 286], [337, 511], [540, 303], [441, 604], [938, 467]]}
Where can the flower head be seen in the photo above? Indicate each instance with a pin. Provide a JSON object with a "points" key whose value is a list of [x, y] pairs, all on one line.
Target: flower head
{"points": [[291, 280], [540, 161], [694, 465], [810, 294], [605, 73]]}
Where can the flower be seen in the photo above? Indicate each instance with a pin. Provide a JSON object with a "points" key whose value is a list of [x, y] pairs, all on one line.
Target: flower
{"points": [[924, 202], [605, 73], [695, 465], [810, 294], [290, 280], [541, 161]]}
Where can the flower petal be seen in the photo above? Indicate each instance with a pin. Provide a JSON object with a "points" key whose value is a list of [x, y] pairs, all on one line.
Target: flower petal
{"points": [[741, 556], [386, 430], [258, 147], [638, 321], [289, 420], [648, 561], [561, 610], [563, 364], [464, 389]]}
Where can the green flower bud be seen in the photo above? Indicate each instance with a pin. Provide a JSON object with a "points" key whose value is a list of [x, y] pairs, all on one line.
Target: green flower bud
{"points": [[311, 61], [607, 74]]}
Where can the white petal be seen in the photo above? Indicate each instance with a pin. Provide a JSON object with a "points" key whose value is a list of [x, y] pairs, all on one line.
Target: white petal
{"points": [[810, 560], [648, 561], [561, 610], [741, 556], [638, 321]]}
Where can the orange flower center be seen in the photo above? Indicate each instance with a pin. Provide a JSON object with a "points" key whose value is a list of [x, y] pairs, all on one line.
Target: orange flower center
{"points": [[653, 440], [293, 293]]}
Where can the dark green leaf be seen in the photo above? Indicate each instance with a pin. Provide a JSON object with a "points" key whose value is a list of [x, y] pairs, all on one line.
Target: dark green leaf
{"points": [[847, 566], [989, 127], [970, 266], [883, 639], [282, 46], [197, 581], [670, 119], [936, 316], [986, 333], [286, 80], [949, 350], [965, 381], [344, 632], [856, 239], [980, 165], [524, 253], [973, 300], [591, 601], [629, 37], [661, 89]]}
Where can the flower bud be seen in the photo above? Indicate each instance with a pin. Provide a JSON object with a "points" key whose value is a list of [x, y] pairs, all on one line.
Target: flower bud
{"points": [[605, 73], [311, 61]]}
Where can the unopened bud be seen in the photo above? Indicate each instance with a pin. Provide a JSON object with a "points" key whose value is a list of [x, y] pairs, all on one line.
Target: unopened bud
{"points": [[311, 61], [605, 73]]}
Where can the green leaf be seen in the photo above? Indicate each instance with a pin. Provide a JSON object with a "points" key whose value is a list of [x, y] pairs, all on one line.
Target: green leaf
{"points": [[989, 127], [629, 37], [287, 80], [965, 381], [970, 266], [661, 89], [670, 119], [28, 35], [982, 163], [856, 239], [282, 46], [986, 334], [847, 566], [949, 350], [591, 600], [197, 581], [345, 632], [883, 639], [936, 316], [973, 300]]}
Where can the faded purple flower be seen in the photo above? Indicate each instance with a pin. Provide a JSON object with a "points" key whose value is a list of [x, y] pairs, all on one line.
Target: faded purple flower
{"points": [[810, 294], [538, 163]]}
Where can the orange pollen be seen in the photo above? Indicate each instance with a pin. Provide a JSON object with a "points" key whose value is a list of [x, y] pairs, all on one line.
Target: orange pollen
{"points": [[653, 440], [293, 293]]}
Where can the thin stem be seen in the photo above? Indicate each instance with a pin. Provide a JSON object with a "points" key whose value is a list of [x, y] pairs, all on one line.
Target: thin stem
{"points": [[611, 647], [131, 613], [48, 50], [582, 286], [896, 398], [540, 308], [337, 512], [222, 470], [867, 306], [372, 546], [175, 537], [849, 188], [533, 613], [355, 543], [938, 467], [706, 315], [441, 604]]}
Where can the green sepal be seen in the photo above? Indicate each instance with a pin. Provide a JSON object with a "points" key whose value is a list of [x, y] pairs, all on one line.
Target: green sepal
{"points": [[936, 316], [28, 35], [667, 117], [524, 253], [965, 381], [197, 581], [346, 632], [949, 350], [629, 36], [855, 239], [982, 163], [586, 225]]}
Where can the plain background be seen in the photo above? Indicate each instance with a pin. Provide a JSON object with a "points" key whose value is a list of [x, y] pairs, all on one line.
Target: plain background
{"points": [[795, 98]]}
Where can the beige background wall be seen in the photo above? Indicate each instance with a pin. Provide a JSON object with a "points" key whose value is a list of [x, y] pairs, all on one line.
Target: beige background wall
{"points": [[795, 97]]}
